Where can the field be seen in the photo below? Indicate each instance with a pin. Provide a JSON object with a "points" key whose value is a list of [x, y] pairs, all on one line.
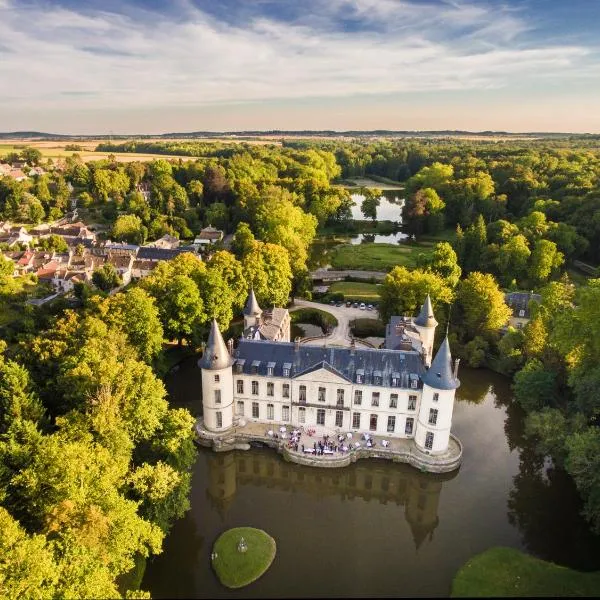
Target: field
{"points": [[352, 290], [502, 572], [376, 257]]}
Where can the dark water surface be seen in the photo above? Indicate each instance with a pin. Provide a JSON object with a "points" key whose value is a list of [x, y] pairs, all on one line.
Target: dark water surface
{"points": [[376, 528]]}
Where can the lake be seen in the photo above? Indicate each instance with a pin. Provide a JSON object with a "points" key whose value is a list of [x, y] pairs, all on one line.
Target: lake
{"points": [[389, 209], [376, 528]]}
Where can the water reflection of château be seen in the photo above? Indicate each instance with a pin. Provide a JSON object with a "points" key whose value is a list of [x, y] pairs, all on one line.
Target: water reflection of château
{"points": [[370, 480]]}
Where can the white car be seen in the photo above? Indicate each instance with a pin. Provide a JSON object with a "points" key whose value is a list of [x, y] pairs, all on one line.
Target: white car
{"points": [[362, 306]]}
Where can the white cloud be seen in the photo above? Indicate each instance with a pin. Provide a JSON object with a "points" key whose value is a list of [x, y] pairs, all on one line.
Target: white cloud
{"points": [[144, 60]]}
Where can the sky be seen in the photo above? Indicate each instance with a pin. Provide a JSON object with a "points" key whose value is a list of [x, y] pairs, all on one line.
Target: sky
{"points": [[156, 66]]}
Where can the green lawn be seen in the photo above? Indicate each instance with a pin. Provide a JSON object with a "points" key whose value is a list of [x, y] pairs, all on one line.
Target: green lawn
{"points": [[376, 257], [236, 569], [505, 572], [359, 291]]}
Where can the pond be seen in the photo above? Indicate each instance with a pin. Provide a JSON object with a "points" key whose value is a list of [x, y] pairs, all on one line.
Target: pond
{"points": [[305, 330], [389, 209], [376, 528]]}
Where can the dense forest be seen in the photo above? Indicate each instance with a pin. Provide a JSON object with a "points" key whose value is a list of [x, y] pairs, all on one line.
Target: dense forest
{"points": [[95, 465]]}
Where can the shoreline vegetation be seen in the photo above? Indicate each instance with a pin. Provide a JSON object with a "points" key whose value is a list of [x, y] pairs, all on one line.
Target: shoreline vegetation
{"points": [[506, 572]]}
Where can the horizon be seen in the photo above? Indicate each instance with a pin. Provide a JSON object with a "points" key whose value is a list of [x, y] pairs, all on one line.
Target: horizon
{"points": [[519, 67]]}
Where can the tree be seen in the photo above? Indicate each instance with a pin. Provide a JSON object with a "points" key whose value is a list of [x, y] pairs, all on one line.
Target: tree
{"points": [[545, 258], [243, 240], [444, 262], [534, 386], [129, 228], [480, 309], [32, 156], [474, 243], [106, 278], [53, 242], [182, 309], [512, 258], [403, 292], [370, 202]]}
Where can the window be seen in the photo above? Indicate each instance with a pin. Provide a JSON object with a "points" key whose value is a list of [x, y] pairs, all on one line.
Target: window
{"points": [[254, 369], [429, 440], [217, 396], [286, 390], [285, 413], [376, 379], [433, 415], [219, 419], [302, 415], [359, 378], [286, 372], [239, 409], [321, 395], [320, 416], [302, 395], [270, 412], [270, 388], [255, 388], [240, 386], [270, 371], [412, 403], [217, 378], [521, 313], [375, 399], [391, 425], [436, 397], [239, 367], [340, 397], [408, 428], [413, 384], [358, 397], [394, 381], [339, 418], [356, 421], [255, 412], [393, 400], [373, 423]]}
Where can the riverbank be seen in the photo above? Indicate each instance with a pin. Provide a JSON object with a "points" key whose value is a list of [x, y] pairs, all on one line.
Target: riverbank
{"points": [[506, 572]]}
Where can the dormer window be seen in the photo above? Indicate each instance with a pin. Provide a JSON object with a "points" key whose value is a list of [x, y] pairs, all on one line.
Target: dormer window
{"points": [[360, 376], [287, 367], [521, 313], [413, 383], [239, 365], [270, 368], [255, 365]]}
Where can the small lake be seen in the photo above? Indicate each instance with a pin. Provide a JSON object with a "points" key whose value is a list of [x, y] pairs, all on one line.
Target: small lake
{"points": [[304, 330], [389, 209], [376, 529]]}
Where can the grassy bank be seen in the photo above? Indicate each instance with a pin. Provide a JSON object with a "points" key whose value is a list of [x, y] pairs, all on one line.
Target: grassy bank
{"points": [[356, 291], [353, 227], [376, 257], [508, 572], [237, 569]]}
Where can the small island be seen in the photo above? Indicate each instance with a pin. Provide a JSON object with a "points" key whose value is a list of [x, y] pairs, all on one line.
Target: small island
{"points": [[242, 555]]}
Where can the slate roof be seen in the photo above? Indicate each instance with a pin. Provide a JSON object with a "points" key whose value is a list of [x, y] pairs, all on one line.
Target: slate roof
{"points": [[391, 363], [401, 335], [148, 253], [519, 301], [426, 318], [215, 355], [440, 375], [252, 308]]}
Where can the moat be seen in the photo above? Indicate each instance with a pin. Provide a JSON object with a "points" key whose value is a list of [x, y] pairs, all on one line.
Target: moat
{"points": [[376, 528]]}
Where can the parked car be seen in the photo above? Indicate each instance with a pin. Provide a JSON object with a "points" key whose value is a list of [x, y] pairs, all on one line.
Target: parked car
{"points": [[362, 306], [370, 307], [355, 305], [339, 303], [348, 303], [332, 302]]}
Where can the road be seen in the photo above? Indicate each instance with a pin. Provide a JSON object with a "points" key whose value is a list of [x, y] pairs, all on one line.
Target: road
{"points": [[340, 336]]}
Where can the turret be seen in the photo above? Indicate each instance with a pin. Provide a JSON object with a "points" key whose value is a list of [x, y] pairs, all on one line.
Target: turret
{"points": [[425, 324], [437, 403], [217, 382], [252, 311]]}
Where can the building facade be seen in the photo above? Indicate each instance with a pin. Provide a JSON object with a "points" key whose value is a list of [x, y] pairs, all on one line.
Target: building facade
{"points": [[387, 392]]}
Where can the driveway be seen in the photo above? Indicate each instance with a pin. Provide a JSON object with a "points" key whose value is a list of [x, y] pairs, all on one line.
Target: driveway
{"points": [[340, 336]]}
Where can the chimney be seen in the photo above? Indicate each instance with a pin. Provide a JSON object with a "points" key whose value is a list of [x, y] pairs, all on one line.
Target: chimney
{"points": [[297, 344], [352, 347], [456, 363], [230, 346]]}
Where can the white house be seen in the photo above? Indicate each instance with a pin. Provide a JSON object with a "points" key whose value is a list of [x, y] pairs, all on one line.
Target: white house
{"points": [[388, 392]]}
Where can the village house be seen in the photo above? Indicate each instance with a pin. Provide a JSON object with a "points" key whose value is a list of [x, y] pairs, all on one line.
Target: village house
{"points": [[519, 303], [207, 236]]}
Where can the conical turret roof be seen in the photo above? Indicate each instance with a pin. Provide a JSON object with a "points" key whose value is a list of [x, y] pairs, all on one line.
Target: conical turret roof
{"points": [[439, 375], [426, 318], [215, 355], [252, 308]]}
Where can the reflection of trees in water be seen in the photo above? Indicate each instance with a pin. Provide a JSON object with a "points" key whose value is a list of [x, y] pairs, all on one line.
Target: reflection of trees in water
{"points": [[474, 385], [545, 506], [371, 480]]}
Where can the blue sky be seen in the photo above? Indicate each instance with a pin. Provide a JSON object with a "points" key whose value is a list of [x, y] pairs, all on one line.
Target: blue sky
{"points": [[150, 66]]}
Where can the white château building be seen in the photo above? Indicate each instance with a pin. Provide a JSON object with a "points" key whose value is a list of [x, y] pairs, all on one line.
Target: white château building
{"points": [[399, 391]]}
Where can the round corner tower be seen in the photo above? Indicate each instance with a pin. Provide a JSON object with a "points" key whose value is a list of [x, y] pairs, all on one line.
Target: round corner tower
{"points": [[425, 324], [217, 382], [437, 403]]}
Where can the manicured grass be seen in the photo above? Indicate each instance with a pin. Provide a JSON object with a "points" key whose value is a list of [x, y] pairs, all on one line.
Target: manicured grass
{"points": [[237, 569], [508, 572], [376, 257], [314, 316], [353, 290]]}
